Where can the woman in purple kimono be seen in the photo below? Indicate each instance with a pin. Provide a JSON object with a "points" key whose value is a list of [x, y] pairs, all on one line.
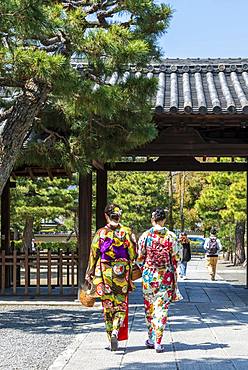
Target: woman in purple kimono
{"points": [[112, 252]]}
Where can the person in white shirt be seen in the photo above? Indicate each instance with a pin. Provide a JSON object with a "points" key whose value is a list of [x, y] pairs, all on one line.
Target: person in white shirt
{"points": [[212, 247]]}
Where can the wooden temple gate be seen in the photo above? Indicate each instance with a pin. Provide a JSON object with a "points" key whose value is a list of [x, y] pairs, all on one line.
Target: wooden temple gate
{"points": [[201, 110]]}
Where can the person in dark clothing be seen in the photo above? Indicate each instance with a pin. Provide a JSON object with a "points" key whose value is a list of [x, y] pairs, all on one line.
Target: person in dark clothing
{"points": [[185, 254]]}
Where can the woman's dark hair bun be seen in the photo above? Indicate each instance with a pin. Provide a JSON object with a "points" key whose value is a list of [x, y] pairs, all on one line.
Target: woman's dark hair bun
{"points": [[158, 214], [113, 209], [213, 231]]}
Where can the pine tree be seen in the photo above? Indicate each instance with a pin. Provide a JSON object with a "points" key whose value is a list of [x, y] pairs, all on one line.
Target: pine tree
{"points": [[138, 193], [37, 42], [34, 201]]}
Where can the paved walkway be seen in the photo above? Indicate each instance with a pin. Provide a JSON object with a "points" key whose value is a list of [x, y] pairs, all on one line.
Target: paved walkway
{"points": [[207, 330]]}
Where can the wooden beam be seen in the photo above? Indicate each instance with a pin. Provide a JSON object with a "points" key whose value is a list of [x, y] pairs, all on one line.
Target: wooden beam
{"points": [[231, 120], [98, 165], [101, 197], [177, 164], [196, 150], [41, 172]]}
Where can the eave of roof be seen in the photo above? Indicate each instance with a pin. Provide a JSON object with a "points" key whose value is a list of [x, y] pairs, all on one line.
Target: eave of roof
{"points": [[195, 86]]}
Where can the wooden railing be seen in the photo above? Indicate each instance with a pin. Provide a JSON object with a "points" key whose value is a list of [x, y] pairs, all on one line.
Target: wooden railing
{"points": [[42, 272]]}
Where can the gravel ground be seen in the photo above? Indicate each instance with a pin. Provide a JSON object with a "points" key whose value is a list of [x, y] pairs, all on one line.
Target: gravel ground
{"points": [[32, 337]]}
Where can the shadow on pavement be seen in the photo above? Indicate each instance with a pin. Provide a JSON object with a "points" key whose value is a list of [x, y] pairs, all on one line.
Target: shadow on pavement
{"points": [[50, 321], [183, 364], [181, 347]]}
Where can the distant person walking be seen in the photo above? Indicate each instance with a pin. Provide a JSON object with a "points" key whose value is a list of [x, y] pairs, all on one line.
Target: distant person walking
{"points": [[112, 252], [212, 247], [185, 254], [157, 257]]}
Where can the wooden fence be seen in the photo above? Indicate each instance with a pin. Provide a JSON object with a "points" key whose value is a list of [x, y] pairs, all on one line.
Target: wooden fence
{"points": [[42, 272]]}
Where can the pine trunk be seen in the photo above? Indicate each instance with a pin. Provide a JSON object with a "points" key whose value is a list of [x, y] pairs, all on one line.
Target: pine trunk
{"points": [[240, 243], [17, 126], [28, 233]]}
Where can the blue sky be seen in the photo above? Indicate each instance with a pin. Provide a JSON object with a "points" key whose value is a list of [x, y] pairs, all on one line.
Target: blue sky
{"points": [[207, 29]]}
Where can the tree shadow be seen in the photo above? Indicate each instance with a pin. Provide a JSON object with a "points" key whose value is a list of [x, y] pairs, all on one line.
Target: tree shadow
{"points": [[65, 321], [208, 363]]}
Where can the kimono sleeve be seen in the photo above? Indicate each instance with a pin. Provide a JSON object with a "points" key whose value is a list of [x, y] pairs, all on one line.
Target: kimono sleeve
{"points": [[142, 249], [131, 246], [94, 253], [175, 251]]}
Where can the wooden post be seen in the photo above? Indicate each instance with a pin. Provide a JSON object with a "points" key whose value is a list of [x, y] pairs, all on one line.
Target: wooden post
{"points": [[3, 273], [72, 271], [38, 272], [5, 218], [101, 196], [85, 221], [26, 273], [61, 272], [49, 271], [14, 270], [5, 227]]}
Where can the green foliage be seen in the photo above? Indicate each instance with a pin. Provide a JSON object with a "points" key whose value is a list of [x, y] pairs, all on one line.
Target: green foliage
{"points": [[236, 201], [70, 246], [138, 193], [42, 199], [222, 203], [96, 118], [216, 199], [224, 198]]}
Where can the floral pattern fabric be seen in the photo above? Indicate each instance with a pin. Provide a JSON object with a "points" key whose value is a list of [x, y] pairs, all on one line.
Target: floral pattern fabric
{"points": [[111, 253], [158, 256]]}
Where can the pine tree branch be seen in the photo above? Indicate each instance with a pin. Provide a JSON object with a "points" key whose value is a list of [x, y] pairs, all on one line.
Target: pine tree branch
{"points": [[5, 114], [96, 79], [53, 134], [51, 41], [51, 48], [109, 126], [10, 82], [47, 41]]}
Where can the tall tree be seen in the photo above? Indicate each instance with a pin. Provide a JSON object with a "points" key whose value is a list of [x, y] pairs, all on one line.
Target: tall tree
{"points": [[171, 201], [182, 179], [37, 42], [222, 203], [236, 212]]}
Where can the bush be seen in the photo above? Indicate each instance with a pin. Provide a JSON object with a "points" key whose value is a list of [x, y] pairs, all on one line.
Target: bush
{"points": [[71, 246]]}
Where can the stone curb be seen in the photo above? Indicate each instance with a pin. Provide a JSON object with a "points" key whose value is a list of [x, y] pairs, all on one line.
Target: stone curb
{"points": [[62, 360]]}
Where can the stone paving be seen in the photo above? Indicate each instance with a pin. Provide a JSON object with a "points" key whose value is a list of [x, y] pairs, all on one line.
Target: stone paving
{"points": [[207, 330]]}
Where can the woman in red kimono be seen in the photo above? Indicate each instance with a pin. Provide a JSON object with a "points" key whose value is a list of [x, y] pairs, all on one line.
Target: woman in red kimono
{"points": [[157, 257]]}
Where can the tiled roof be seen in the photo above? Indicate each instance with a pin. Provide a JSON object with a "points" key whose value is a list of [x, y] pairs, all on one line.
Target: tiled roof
{"points": [[201, 86], [198, 86]]}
